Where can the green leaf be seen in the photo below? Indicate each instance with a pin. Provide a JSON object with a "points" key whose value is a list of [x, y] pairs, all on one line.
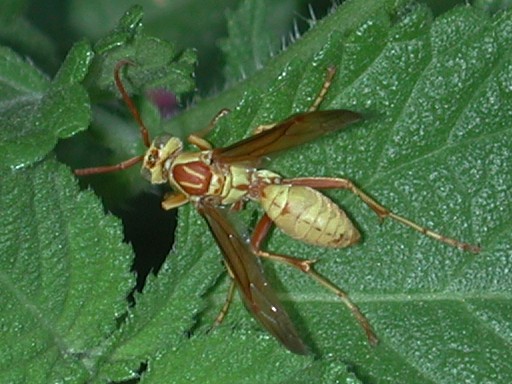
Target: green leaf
{"points": [[37, 112], [156, 63], [64, 277], [252, 38], [188, 24], [221, 358], [168, 307], [434, 148]]}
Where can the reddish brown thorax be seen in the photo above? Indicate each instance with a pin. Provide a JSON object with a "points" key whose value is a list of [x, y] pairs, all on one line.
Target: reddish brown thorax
{"points": [[193, 177]]}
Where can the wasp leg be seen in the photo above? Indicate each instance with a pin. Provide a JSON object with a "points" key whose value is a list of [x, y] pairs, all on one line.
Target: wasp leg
{"points": [[199, 142], [331, 71], [174, 200], [225, 308], [306, 266], [197, 138], [381, 211], [262, 128]]}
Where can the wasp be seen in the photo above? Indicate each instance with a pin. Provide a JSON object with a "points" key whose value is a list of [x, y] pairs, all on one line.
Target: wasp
{"points": [[213, 178]]}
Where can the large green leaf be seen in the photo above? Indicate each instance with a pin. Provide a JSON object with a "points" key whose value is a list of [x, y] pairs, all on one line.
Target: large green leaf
{"points": [[64, 277], [435, 146]]}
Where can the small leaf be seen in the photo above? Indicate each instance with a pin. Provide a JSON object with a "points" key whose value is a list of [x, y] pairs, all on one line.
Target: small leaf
{"points": [[194, 24], [37, 112], [76, 65], [126, 29], [156, 63]]}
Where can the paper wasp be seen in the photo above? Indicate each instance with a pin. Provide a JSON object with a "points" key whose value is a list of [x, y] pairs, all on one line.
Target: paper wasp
{"points": [[229, 176]]}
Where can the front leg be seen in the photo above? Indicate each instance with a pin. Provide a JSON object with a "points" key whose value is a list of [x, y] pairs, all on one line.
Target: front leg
{"points": [[174, 200]]}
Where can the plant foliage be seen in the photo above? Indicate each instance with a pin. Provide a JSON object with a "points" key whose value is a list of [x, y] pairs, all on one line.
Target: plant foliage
{"points": [[434, 146]]}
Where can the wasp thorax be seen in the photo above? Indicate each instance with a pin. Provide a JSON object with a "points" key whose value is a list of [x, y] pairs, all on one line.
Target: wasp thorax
{"points": [[159, 157]]}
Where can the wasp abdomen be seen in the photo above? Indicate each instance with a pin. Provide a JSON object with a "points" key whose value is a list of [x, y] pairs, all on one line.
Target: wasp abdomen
{"points": [[305, 214]]}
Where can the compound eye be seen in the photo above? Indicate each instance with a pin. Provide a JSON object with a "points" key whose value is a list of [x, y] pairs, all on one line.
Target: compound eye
{"points": [[151, 158]]}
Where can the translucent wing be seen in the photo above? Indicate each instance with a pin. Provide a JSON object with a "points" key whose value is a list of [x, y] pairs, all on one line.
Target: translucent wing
{"points": [[254, 288], [295, 130]]}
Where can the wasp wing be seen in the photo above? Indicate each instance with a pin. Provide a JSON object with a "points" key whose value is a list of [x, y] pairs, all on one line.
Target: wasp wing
{"points": [[254, 288], [295, 130]]}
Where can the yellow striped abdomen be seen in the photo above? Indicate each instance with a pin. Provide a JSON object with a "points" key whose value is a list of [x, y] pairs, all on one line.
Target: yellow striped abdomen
{"points": [[306, 215]]}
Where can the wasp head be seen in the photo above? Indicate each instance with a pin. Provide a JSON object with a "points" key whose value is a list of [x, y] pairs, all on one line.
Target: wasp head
{"points": [[159, 158]]}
